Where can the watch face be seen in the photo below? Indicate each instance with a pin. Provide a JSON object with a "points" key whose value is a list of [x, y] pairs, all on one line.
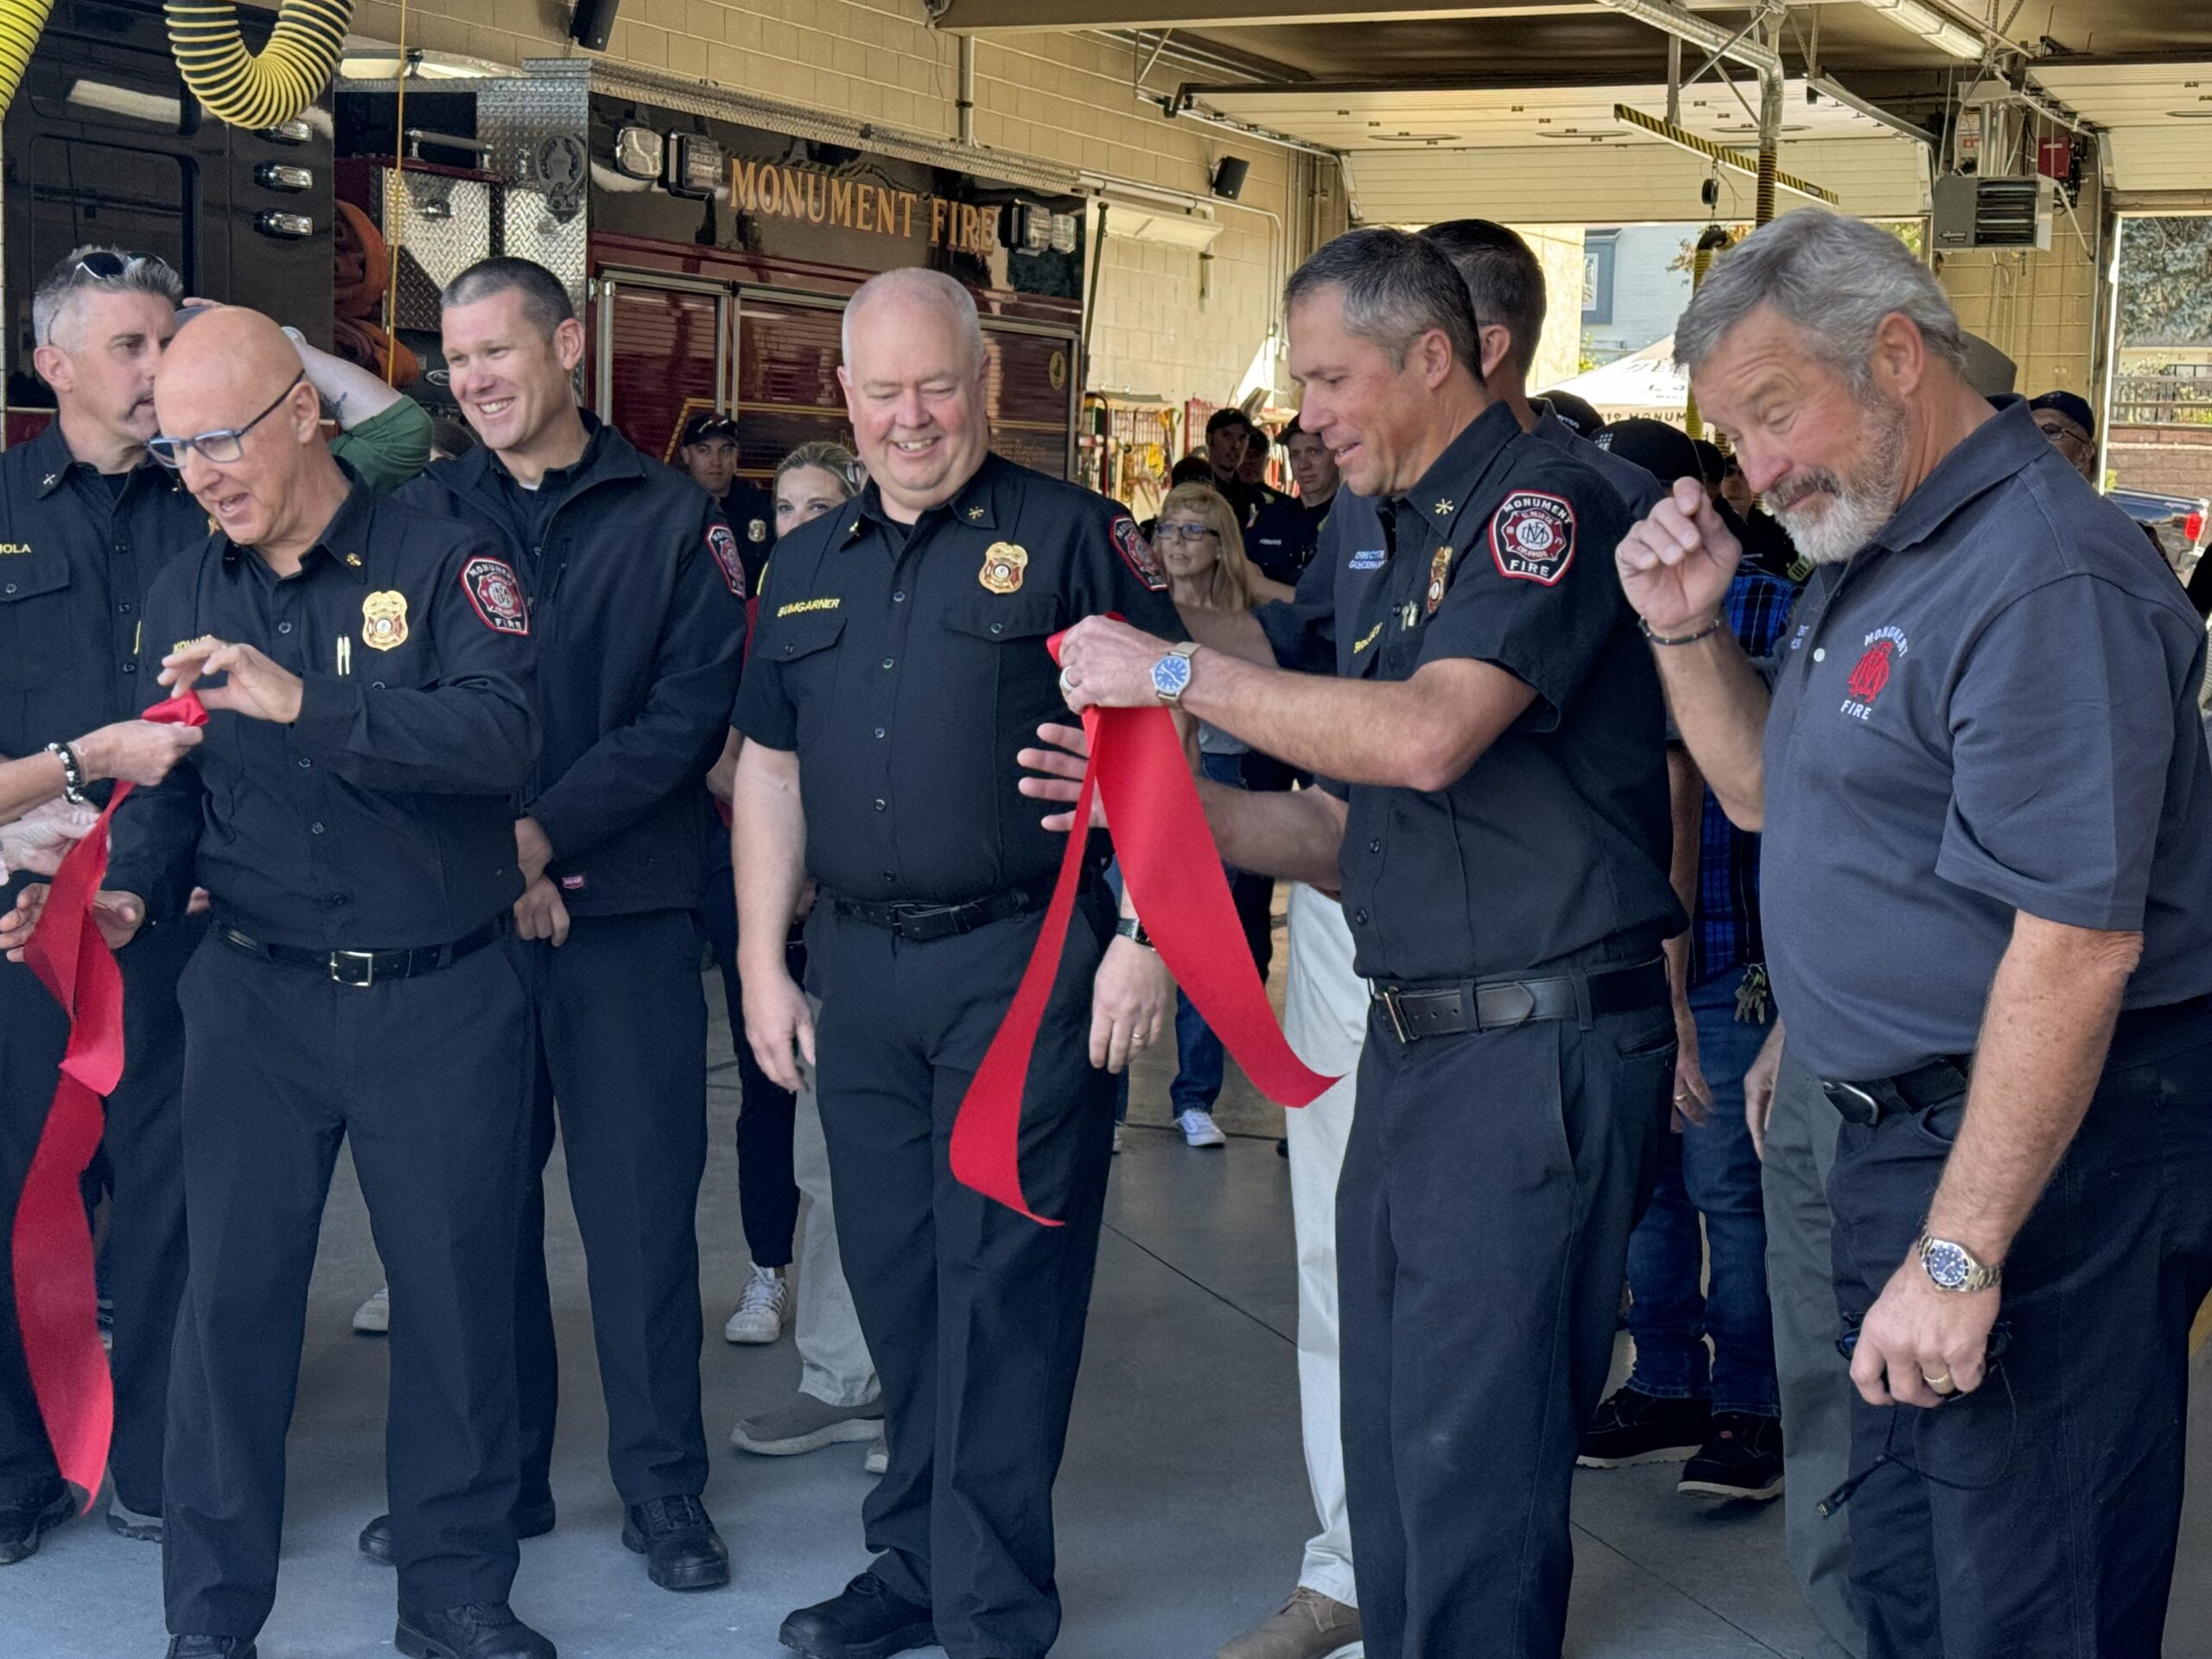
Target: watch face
{"points": [[1946, 1263], [1170, 675]]}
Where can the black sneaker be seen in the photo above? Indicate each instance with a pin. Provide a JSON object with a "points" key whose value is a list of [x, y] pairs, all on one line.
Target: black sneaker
{"points": [[1633, 1427], [1742, 1457], [683, 1551], [862, 1621], [23, 1523]]}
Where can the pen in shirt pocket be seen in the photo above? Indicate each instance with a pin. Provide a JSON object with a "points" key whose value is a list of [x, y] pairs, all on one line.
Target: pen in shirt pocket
{"points": [[345, 654]]}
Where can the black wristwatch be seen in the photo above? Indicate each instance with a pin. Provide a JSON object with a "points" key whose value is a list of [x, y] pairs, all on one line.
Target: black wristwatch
{"points": [[1129, 927]]}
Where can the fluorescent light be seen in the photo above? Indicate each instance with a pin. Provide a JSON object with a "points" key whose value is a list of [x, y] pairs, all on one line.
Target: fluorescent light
{"points": [[1924, 20]]}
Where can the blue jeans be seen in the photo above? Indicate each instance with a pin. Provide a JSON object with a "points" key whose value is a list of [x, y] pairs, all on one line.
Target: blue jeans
{"points": [[1708, 1170]]}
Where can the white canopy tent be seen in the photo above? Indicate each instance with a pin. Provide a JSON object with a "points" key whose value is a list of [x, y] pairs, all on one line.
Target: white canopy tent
{"points": [[1644, 383]]}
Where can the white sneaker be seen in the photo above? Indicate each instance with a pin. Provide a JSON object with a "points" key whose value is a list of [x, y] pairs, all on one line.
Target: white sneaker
{"points": [[761, 1311], [878, 1460], [373, 1317], [1200, 1130]]}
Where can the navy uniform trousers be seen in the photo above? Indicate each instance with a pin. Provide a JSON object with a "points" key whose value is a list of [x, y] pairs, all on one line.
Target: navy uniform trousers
{"points": [[1489, 1189], [2036, 1517], [622, 1043], [424, 1076], [975, 1315], [143, 1258]]}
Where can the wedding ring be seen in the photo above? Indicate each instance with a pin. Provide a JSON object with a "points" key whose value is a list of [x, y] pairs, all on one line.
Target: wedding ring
{"points": [[1941, 1384]]}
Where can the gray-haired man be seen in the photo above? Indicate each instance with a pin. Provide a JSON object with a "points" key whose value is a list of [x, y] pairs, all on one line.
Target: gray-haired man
{"points": [[1989, 854]]}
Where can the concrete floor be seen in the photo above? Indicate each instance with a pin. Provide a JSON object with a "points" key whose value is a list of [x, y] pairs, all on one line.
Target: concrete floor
{"points": [[1182, 1508]]}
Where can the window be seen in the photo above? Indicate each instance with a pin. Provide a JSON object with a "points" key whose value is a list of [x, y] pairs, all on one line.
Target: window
{"points": [[1597, 251]]}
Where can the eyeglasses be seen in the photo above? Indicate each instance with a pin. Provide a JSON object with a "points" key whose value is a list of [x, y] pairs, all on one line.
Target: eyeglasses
{"points": [[1182, 533], [222, 446]]}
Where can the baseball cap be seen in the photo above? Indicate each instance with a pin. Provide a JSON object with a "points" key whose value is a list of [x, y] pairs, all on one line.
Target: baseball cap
{"points": [[1665, 452], [708, 425], [2075, 407]]}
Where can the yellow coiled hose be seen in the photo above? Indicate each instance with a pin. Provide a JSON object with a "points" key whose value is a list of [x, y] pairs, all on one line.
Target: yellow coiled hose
{"points": [[238, 87], [20, 23]]}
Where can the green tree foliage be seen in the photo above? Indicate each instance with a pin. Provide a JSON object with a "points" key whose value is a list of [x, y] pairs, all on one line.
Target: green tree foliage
{"points": [[2165, 282]]}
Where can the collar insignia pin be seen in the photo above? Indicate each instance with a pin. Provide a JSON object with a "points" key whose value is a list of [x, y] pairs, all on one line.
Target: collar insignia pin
{"points": [[1443, 507]]}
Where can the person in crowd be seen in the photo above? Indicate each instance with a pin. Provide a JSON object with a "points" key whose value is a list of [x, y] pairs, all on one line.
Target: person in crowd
{"points": [[1228, 440], [2005, 991], [1487, 678], [1203, 551], [2067, 420], [899, 662], [809, 482], [1765, 543], [708, 448], [636, 587], [92, 521], [782, 1157], [1505, 285], [1719, 1408], [368, 671], [1282, 540], [1252, 473]]}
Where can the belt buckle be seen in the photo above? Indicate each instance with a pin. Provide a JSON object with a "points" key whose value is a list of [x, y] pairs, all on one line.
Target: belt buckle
{"points": [[1390, 999], [368, 961], [1853, 1103]]}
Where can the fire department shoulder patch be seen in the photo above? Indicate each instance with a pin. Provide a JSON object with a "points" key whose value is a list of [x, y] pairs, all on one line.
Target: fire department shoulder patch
{"points": [[1532, 537], [493, 589], [723, 546], [1136, 553]]}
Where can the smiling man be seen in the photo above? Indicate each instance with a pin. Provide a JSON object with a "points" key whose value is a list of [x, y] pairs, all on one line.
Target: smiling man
{"points": [[347, 814], [634, 587], [1499, 830], [901, 664], [1987, 895]]}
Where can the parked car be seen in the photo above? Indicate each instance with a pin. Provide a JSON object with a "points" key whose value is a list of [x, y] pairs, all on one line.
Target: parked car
{"points": [[2176, 522]]}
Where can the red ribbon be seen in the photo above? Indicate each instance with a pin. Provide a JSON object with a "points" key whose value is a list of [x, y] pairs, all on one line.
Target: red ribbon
{"points": [[57, 1305], [1137, 764]]}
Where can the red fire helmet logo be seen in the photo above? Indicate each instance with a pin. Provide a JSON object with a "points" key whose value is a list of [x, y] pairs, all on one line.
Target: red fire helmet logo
{"points": [[1872, 672]]}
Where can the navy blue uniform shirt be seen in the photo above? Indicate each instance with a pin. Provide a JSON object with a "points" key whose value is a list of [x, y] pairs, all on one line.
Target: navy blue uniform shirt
{"points": [[382, 818], [906, 666], [635, 587], [1551, 850], [750, 511], [1281, 539], [79, 552], [1991, 707]]}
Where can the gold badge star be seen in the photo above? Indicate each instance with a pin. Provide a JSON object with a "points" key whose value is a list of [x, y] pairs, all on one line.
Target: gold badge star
{"points": [[353, 559], [975, 514], [1443, 507]]}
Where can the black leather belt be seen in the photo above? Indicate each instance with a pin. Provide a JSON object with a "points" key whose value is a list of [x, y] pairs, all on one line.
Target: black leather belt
{"points": [[1869, 1102], [921, 922], [365, 968], [1419, 1011]]}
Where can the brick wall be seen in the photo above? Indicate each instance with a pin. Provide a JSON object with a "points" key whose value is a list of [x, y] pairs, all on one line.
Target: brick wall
{"points": [[2163, 459], [1062, 97]]}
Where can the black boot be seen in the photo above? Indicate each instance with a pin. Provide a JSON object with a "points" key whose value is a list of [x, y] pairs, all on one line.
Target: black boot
{"points": [[23, 1521], [210, 1647], [376, 1538], [683, 1551], [863, 1621], [481, 1629]]}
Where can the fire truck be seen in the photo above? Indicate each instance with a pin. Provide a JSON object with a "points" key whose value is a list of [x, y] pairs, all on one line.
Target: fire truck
{"points": [[709, 239]]}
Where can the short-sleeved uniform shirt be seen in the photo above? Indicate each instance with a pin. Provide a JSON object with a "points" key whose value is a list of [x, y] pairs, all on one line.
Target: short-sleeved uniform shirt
{"points": [[907, 665], [1990, 708], [383, 817], [1282, 540], [1551, 851]]}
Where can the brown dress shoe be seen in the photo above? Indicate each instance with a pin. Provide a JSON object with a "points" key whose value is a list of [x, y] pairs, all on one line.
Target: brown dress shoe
{"points": [[1310, 1626]]}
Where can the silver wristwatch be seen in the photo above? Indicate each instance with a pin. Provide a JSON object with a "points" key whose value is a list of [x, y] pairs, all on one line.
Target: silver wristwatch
{"points": [[1951, 1266]]}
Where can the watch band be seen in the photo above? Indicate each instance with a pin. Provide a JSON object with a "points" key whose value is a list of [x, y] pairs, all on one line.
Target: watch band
{"points": [[1950, 1266], [1128, 927]]}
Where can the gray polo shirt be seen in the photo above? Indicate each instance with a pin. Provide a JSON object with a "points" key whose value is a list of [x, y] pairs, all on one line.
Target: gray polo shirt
{"points": [[1990, 709]]}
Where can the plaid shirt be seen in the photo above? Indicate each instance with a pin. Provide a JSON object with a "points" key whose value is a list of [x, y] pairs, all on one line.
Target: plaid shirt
{"points": [[1725, 934]]}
